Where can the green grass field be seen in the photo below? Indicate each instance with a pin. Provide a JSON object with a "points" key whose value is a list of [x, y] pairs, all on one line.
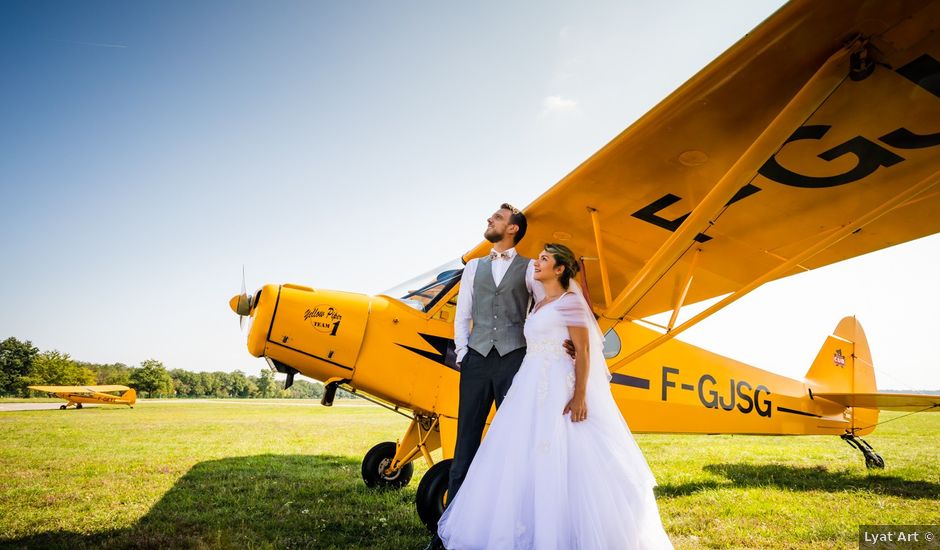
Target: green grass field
{"points": [[285, 474]]}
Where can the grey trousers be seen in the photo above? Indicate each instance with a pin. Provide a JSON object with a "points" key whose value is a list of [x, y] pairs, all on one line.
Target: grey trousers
{"points": [[483, 380]]}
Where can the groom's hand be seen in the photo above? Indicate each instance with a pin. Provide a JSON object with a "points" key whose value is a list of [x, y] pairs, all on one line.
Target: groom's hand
{"points": [[569, 347]]}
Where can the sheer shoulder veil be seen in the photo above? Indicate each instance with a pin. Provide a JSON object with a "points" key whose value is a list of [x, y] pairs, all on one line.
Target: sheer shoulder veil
{"points": [[577, 312]]}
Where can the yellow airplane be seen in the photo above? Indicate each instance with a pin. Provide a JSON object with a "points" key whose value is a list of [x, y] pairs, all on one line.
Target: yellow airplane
{"points": [[814, 139], [76, 395]]}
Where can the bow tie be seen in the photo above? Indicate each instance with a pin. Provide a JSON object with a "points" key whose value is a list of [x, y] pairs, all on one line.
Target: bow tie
{"points": [[494, 255]]}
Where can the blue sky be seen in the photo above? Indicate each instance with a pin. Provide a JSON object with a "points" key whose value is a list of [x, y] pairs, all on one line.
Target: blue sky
{"points": [[149, 150]]}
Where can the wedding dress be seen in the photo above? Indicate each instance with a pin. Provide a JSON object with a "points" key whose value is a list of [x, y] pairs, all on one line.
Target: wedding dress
{"points": [[540, 481]]}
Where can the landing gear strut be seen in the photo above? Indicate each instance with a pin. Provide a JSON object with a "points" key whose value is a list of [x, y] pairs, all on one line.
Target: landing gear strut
{"points": [[872, 459], [390, 465]]}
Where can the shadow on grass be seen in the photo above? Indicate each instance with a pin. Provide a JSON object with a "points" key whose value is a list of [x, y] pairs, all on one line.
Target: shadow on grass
{"points": [[266, 501], [803, 478]]}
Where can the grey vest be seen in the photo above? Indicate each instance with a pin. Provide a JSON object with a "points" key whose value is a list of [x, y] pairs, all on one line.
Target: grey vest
{"points": [[499, 312]]}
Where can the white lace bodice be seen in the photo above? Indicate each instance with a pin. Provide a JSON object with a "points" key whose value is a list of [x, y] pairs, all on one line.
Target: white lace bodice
{"points": [[546, 329]]}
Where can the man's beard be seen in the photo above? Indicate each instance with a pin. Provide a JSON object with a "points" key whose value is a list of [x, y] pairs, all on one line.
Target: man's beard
{"points": [[492, 236]]}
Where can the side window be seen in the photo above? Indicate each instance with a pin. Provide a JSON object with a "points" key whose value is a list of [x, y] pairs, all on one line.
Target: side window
{"points": [[445, 282], [448, 310], [611, 344], [425, 291]]}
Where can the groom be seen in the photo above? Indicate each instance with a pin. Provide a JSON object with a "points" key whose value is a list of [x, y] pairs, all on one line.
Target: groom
{"points": [[495, 293]]}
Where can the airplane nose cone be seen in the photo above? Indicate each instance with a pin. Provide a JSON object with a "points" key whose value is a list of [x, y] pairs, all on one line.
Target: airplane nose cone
{"points": [[241, 304]]}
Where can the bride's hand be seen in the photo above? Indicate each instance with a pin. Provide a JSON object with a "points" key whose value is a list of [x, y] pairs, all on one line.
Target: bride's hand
{"points": [[578, 409]]}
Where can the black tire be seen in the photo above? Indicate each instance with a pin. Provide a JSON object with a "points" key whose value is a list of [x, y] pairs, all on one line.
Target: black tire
{"points": [[63, 407], [377, 460], [78, 406], [874, 461], [432, 494]]}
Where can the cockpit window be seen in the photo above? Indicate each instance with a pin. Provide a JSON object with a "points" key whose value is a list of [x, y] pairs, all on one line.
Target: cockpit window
{"points": [[424, 291]]}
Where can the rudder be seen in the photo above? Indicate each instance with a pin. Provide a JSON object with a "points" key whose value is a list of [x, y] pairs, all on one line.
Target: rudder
{"points": [[844, 365], [130, 396]]}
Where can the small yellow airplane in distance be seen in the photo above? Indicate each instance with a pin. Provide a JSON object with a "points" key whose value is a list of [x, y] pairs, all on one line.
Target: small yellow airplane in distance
{"points": [[814, 139], [76, 395]]}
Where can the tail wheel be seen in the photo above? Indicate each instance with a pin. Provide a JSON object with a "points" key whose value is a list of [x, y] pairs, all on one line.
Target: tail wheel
{"points": [[377, 460], [874, 460], [432, 494]]}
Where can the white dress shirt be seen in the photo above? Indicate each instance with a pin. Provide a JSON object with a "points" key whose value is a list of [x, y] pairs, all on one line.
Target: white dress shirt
{"points": [[463, 320]]}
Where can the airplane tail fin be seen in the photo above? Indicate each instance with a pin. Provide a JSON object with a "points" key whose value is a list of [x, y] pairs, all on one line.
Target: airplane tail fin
{"points": [[844, 366], [130, 395]]}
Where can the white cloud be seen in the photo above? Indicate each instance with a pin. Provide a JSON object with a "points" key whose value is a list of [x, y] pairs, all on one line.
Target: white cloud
{"points": [[558, 104]]}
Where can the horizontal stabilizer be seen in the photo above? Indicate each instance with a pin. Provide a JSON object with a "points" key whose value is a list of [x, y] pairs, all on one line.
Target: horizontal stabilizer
{"points": [[885, 401], [78, 389]]}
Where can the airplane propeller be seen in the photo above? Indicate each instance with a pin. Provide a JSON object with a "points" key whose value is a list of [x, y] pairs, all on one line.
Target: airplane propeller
{"points": [[241, 304]]}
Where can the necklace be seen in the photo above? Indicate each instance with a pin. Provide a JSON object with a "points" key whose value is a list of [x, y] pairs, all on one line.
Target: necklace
{"points": [[547, 300]]}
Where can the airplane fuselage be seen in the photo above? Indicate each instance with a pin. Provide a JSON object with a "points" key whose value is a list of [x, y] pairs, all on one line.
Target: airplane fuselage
{"points": [[384, 348]]}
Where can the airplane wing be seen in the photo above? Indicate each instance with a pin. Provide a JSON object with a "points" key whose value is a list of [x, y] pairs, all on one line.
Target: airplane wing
{"points": [[814, 139], [110, 388], [79, 389], [886, 401]]}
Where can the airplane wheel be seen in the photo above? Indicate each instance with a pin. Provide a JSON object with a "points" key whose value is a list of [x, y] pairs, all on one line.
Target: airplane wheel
{"points": [[377, 460], [78, 406], [63, 407], [874, 460], [432, 494]]}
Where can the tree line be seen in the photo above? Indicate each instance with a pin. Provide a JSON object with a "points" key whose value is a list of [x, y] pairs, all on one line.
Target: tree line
{"points": [[22, 365]]}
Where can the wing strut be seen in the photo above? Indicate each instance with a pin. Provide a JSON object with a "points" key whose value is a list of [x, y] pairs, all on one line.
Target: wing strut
{"points": [[816, 90], [824, 243], [605, 279], [684, 289]]}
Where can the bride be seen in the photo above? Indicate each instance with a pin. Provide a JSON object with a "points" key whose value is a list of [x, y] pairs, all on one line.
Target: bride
{"points": [[558, 468]]}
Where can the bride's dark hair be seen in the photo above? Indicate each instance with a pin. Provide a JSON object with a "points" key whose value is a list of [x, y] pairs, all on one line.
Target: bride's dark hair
{"points": [[564, 257]]}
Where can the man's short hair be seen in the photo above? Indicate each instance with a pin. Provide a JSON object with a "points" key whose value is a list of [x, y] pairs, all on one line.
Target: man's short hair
{"points": [[517, 218]]}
